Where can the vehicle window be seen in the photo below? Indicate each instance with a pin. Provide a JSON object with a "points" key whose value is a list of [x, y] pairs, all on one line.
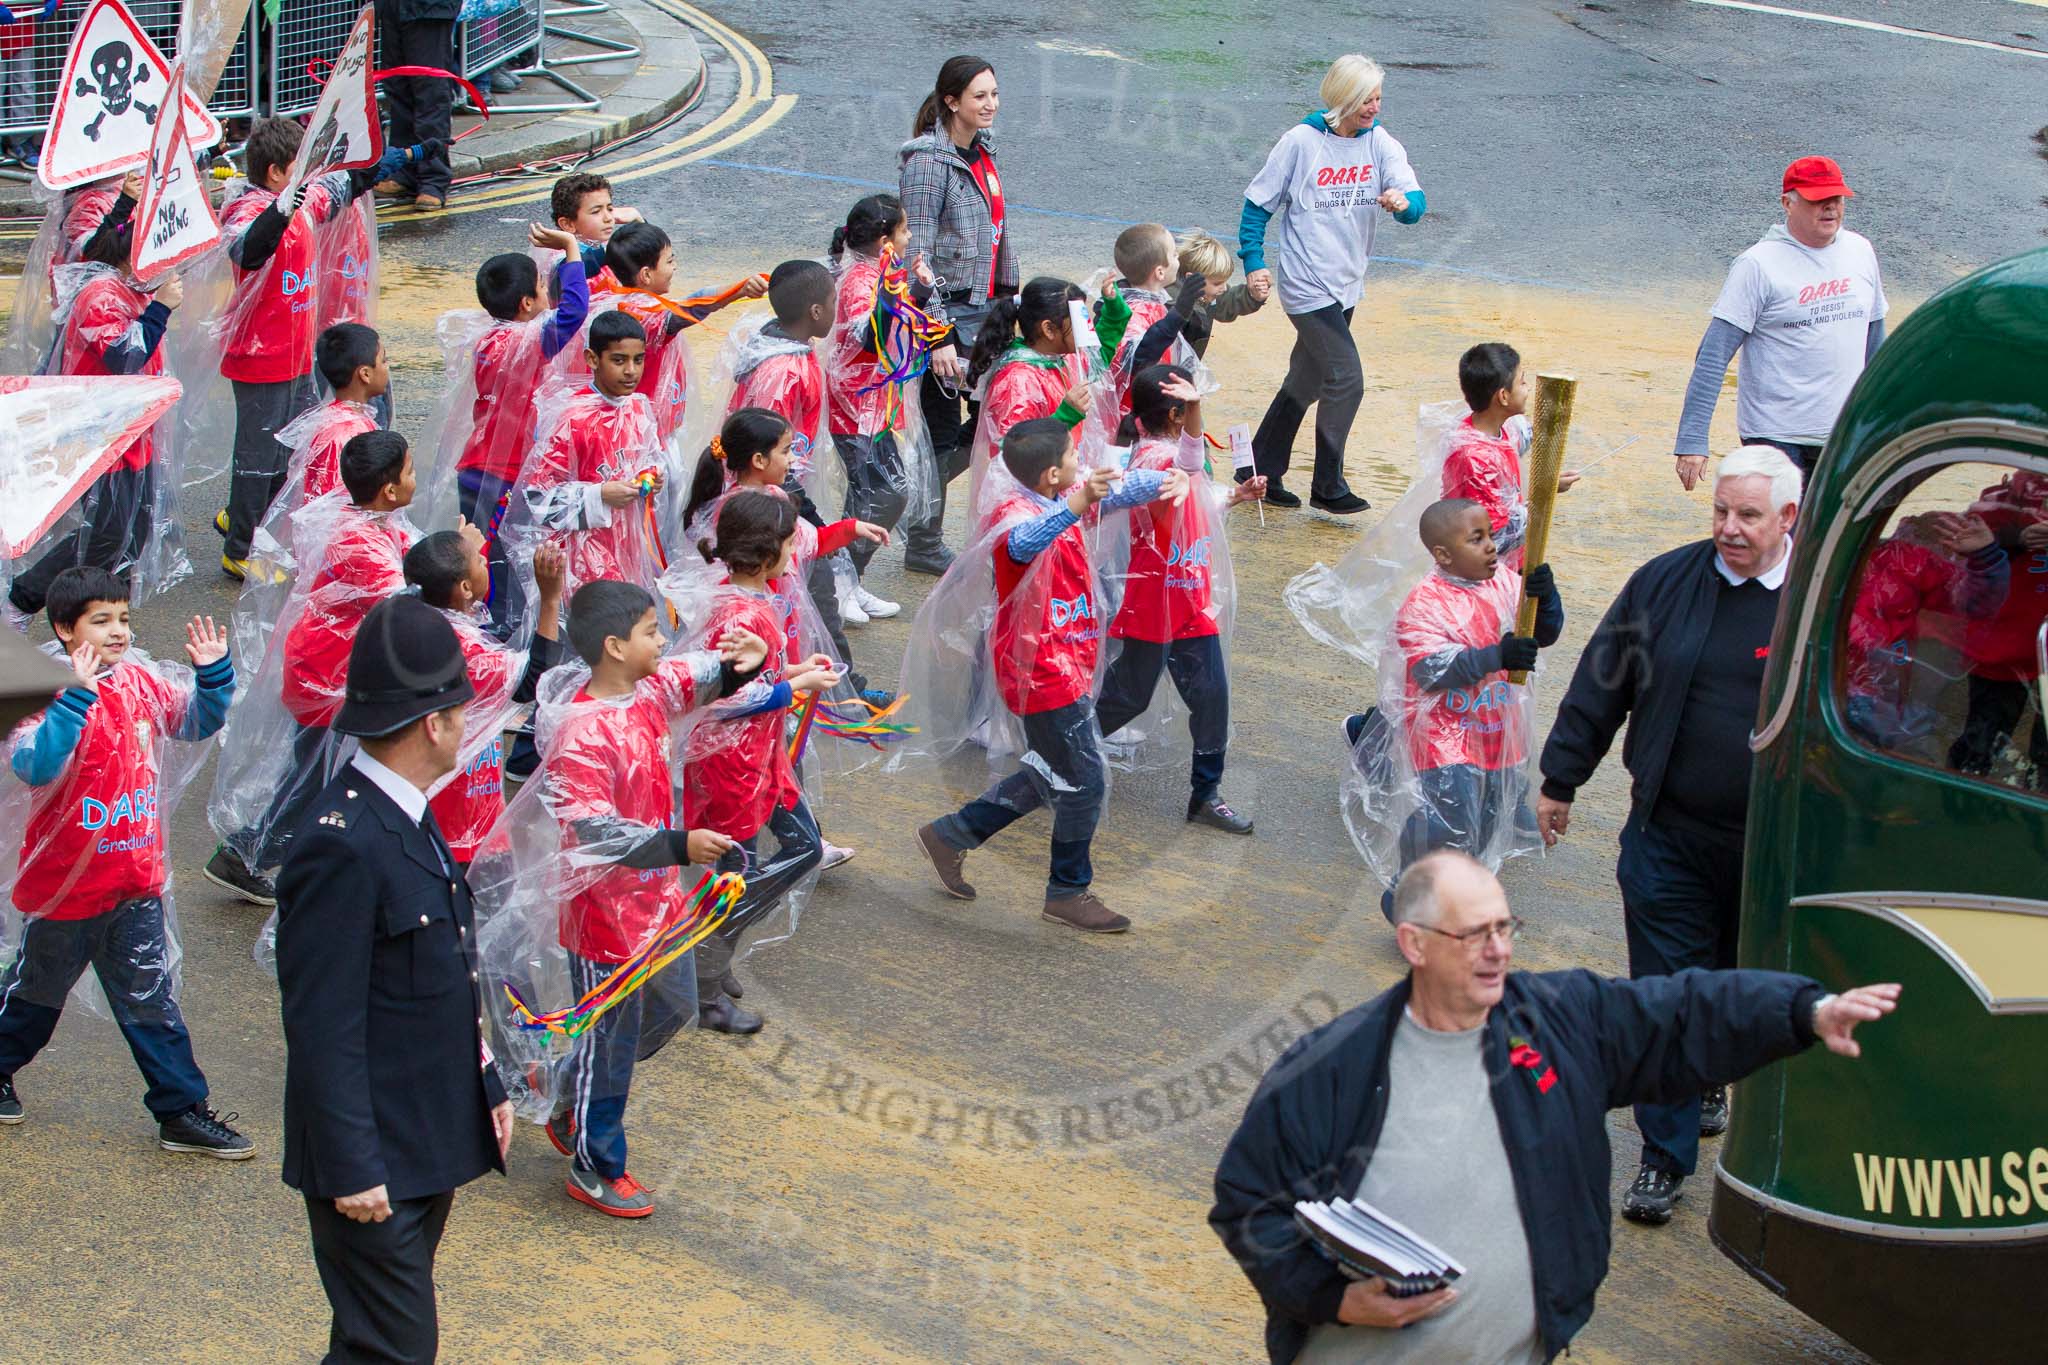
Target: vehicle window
{"points": [[1938, 662]]}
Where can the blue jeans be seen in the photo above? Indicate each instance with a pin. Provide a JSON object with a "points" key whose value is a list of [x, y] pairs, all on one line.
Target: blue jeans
{"points": [[1062, 769], [1681, 895], [128, 948], [594, 1079]]}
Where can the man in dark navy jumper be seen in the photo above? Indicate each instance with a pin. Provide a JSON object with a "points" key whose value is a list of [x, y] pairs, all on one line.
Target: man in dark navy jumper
{"points": [[1680, 657]]}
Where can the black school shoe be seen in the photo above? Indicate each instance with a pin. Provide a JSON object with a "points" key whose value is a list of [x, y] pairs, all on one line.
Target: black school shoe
{"points": [[1714, 1112], [1650, 1198], [1211, 811], [204, 1133], [723, 1016], [1277, 496], [226, 871], [1343, 505]]}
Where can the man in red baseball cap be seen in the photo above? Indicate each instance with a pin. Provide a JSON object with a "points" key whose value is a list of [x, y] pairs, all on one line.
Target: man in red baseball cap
{"points": [[1804, 308]]}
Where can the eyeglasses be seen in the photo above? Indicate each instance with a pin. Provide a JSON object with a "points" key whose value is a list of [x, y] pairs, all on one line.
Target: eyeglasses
{"points": [[1506, 929]]}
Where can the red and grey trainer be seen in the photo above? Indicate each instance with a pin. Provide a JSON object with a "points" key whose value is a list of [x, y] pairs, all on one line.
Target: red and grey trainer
{"points": [[621, 1198], [562, 1131]]}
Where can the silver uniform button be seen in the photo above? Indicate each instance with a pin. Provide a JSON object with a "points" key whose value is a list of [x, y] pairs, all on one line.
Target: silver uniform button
{"points": [[423, 919]]}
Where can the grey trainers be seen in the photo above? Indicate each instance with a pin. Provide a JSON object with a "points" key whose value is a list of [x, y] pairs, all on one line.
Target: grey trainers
{"points": [[1084, 912], [225, 871], [1650, 1198], [1714, 1112], [621, 1198], [10, 1103]]}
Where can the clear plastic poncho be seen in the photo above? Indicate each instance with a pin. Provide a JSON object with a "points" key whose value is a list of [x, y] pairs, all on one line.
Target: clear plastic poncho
{"points": [[278, 751], [877, 426], [994, 638], [1350, 606], [92, 836], [1444, 764], [758, 367], [590, 440], [468, 801], [496, 379], [69, 220], [557, 909]]}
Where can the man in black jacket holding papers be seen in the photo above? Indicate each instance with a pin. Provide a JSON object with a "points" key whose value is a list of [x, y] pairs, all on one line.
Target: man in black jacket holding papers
{"points": [[1470, 1104]]}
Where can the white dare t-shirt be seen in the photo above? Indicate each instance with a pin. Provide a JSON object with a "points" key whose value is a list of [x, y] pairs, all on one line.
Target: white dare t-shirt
{"points": [[1323, 191], [1808, 313]]}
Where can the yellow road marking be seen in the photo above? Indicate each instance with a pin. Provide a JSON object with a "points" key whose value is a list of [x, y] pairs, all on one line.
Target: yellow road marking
{"points": [[754, 102]]}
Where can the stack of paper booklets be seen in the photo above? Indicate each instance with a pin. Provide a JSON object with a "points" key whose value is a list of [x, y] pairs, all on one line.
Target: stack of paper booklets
{"points": [[1363, 1240]]}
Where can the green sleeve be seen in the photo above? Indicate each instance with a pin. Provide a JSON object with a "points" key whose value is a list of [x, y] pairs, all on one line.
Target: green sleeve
{"points": [[1112, 317]]}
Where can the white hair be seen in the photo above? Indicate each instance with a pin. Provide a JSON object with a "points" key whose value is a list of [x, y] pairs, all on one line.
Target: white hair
{"points": [[1767, 462], [1350, 82]]}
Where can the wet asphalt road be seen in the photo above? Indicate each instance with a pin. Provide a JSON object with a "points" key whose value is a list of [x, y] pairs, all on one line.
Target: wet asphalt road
{"points": [[966, 1135]]}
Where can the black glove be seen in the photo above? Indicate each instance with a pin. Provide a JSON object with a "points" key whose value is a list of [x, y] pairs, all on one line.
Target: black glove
{"points": [[1190, 297], [1539, 583], [429, 149], [1517, 652]]}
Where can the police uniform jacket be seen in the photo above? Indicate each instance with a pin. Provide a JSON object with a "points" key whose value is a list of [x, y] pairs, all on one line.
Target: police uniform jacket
{"points": [[386, 1081]]}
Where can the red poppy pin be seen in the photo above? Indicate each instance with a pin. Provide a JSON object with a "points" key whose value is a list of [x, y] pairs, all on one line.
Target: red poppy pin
{"points": [[1522, 1055]]}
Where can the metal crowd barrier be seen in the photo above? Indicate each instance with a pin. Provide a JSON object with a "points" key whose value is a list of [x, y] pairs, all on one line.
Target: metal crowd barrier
{"points": [[32, 60], [483, 44], [607, 49]]}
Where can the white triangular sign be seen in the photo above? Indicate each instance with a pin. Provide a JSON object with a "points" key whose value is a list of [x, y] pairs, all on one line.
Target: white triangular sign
{"points": [[60, 432], [115, 85], [175, 220], [344, 132]]}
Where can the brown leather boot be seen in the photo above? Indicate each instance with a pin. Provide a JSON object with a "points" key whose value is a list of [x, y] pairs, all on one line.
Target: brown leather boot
{"points": [[1084, 912], [947, 861]]}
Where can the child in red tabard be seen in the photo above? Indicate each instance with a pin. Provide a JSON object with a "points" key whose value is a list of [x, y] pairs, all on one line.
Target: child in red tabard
{"points": [[605, 778], [754, 449], [599, 463], [270, 321], [877, 439], [92, 873], [448, 570], [1485, 460], [350, 357], [107, 323], [1026, 348], [1445, 689], [1147, 262], [2001, 647], [1045, 640], [355, 559], [508, 373], [639, 270], [1171, 620], [737, 777]]}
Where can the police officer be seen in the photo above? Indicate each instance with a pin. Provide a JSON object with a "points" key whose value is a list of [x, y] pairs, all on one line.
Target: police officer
{"points": [[390, 1098]]}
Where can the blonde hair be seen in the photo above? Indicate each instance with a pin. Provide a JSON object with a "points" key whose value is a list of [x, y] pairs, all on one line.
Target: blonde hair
{"points": [[1202, 254], [1350, 82]]}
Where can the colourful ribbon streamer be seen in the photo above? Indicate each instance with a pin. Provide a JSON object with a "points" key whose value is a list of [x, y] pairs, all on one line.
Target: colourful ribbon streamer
{"points": [[646, 482], [901, 336], [874, 729], [685, 308], [706, 907]]}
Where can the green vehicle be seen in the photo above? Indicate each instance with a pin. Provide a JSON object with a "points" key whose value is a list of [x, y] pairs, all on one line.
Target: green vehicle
{"points": [[1898, 831]]}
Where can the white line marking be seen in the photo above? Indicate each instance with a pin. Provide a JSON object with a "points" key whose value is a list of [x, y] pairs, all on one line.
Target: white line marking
{"points": [[1873, 26], [1079, 51]]}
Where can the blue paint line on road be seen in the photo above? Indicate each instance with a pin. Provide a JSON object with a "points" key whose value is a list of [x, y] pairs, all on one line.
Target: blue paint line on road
{"points": [[1410, 262]]}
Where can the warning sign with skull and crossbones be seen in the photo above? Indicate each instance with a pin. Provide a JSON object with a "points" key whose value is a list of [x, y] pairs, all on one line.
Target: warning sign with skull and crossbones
{"points": [[112, 95]]}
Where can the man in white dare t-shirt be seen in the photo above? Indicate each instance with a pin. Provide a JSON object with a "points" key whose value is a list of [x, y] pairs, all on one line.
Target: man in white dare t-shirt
{"points": [[1327, 180], [1805, 309]]}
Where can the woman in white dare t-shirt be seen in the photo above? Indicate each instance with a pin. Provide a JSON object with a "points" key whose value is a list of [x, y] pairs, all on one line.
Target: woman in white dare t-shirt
{"points": [[1804, 308], [1327, 181]]}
